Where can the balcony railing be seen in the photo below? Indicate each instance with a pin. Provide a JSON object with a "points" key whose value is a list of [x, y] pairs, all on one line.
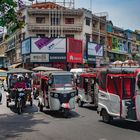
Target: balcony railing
{"points": [[61, 11], [44, 27]]}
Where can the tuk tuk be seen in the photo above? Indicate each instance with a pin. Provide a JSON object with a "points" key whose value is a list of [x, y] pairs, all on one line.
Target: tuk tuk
{"points": [[87, 89], [119, 94], [57, 91], [19, 88]]}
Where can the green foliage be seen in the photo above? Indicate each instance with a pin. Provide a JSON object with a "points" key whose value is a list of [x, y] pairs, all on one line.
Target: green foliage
{"points": [[8, 14]]}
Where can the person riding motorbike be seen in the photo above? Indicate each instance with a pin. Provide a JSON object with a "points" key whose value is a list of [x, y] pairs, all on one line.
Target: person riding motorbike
{"points": [[20, 84]]}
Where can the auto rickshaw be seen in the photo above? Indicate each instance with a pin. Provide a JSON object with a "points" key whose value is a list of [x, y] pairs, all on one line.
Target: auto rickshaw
{"points": [[57, 92], [19, 88], [87, 89], [119, 94]]}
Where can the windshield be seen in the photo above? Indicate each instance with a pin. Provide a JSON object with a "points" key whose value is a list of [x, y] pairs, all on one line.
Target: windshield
{"points": [[62, 81]]}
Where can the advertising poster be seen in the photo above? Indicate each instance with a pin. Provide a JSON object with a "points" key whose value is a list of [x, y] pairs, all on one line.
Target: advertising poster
{"points": [[95, 49], [115, 44], [25, 46], [74, 50], [48, 45]]}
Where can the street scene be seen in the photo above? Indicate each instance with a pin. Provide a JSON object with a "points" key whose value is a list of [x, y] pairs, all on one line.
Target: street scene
{"points": [[69, 70], [83, 123]]}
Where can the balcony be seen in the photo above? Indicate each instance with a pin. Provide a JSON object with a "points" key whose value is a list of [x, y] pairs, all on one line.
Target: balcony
{"points": [[58, 11], [46, 28]]}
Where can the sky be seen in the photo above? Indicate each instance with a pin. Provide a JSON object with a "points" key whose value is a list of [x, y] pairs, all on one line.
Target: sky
{"points": [[123, 13]]}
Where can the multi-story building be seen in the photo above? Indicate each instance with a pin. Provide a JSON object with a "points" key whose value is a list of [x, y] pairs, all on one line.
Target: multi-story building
{"points": [[54, 21]]}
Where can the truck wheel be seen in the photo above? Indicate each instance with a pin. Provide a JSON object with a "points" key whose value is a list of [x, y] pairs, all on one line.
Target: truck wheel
{"points": [[80, 103], [106, 117]]}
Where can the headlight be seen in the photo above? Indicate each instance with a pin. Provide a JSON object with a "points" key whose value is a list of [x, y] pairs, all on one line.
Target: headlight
{"points": [[72, 94], [56, 95]]}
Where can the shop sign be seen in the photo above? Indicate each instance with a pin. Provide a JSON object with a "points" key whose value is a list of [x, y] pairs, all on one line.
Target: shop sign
{"points": [[57, 57], [74, 58], [91, 59], [39, 58]]}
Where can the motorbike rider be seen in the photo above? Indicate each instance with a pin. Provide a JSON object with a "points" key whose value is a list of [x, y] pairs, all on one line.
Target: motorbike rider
{"points": [[20, 84]]}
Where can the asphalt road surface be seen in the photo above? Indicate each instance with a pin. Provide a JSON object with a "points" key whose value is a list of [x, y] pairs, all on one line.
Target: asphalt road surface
{"points": [[83, 124]]}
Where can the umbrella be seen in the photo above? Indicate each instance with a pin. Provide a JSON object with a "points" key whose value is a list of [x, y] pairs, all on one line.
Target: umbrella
{"points": [[19, 70], [42, 68], [117, 62]]}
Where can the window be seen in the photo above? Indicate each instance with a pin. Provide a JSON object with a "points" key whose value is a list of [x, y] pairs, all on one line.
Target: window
{"points": [[87, 21], [69, 20], [87, 37], [69, 36], [55, 21], [40, 19], [40, 35]]}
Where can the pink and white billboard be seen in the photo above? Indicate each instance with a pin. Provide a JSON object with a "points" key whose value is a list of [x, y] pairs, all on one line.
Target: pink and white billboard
{"points": [[48, 45]]}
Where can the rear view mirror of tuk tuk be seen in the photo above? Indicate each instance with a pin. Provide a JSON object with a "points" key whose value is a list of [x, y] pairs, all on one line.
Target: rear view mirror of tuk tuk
{"points": [[50, 81]]}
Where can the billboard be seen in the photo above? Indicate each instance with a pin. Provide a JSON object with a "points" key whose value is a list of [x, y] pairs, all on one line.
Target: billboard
{"points": [[25, 46], [94, 49], [74, 50], [48, 45], [39, 57]]}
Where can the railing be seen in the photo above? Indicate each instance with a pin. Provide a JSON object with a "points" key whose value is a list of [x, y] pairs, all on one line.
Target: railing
{"points": [[44, 27]]}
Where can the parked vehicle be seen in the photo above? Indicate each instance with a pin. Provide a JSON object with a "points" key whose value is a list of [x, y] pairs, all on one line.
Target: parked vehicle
{"points": [[87, 89], [119, 94], [0, 96], [57, 92], [19, 88]]}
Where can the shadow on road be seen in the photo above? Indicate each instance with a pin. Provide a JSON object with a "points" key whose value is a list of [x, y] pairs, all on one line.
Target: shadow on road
{"points": [[125, 124], [27, 109], [90, 107], [58, 114], [12, 126]]}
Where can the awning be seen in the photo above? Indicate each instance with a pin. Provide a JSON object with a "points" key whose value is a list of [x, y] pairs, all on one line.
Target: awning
{"points": [[14, 66]]}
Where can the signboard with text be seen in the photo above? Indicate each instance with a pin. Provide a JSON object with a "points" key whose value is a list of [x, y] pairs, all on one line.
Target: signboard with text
{"points": [[74, 50], [48, 45], [57, 57], [39, 57], [25, 46]]}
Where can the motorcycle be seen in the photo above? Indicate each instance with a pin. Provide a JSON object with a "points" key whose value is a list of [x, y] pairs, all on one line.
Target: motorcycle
{"points": [[20, 101]]}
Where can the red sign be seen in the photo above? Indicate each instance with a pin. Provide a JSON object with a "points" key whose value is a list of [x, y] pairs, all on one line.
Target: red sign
{"points": [[74, 51]]}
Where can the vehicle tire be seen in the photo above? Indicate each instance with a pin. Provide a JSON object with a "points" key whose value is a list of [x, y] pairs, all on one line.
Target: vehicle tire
{"points": [[40, 108], [106, 117], [80, 103], [7, 104], [20, 107], [31, 102], [66, 113], [0, 98]]}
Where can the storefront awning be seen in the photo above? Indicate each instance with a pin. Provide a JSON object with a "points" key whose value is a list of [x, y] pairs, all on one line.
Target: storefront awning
{"points": [[14, 66]]}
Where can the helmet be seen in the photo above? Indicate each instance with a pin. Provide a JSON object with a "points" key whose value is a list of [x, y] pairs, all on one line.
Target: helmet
{"points": [[20, 77]]}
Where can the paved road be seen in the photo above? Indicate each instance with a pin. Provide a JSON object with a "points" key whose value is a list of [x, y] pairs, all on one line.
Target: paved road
{"points": [[83, 124]]}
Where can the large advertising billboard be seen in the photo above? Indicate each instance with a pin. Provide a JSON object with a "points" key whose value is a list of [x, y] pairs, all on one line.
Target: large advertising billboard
{"points": [[74, 50], [25, 46], [94, 49], [48, 45]]}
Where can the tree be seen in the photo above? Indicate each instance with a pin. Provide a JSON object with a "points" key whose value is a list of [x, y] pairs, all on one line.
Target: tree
{"points": [[8, 14]]}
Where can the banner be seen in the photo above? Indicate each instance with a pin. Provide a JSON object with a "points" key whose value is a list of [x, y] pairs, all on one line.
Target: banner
{"points": [[48, 45], [115, 44], [95, 49], [25, 46], [74, 50]]}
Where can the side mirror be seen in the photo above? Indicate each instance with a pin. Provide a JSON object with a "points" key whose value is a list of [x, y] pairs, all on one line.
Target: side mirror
{"points": [[50, 81], [78, 81]]}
